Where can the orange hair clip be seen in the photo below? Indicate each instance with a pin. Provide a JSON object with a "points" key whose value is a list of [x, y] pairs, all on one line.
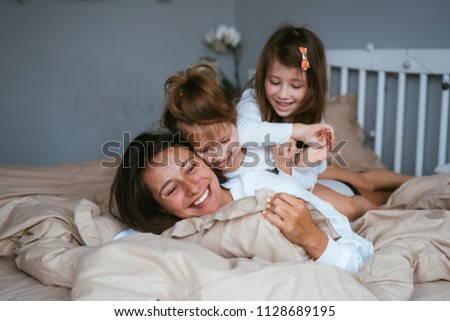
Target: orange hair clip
{"points": [[305, 62]]}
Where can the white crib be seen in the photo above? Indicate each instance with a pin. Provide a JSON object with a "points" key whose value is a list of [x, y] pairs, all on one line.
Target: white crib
{"points": [[403, 102]]}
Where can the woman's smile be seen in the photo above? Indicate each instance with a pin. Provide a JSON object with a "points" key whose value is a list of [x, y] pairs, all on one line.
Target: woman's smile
{"points": [[202, 198], [185, 186]]}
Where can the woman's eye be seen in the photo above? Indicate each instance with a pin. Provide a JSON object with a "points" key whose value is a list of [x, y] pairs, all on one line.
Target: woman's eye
{"points": [[172, 190]]}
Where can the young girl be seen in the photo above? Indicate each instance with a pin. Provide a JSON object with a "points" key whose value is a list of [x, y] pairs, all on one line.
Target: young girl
{"points": [[199, 109], [290, 86]]}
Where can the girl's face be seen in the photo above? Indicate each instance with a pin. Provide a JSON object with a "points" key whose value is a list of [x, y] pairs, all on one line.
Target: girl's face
{"points": [[217, 144], [285, 89], [183, 184]]}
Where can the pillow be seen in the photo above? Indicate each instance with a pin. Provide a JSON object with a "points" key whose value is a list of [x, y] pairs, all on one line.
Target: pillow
{"points": [[239, 229], [340, 112], [442, 169], [423, 192], [95, 225]]}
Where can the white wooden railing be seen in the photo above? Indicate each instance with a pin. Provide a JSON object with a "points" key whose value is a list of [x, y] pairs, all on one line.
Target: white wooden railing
{"points": [[400, 64]]}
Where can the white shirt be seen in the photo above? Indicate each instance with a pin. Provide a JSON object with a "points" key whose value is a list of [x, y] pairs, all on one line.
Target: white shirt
{"points": [[257, 159], [348, 253], [254, 133], [252, 130]]}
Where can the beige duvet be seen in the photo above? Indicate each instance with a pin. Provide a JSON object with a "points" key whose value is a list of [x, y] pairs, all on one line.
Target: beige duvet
{"points": [[55, 227]]}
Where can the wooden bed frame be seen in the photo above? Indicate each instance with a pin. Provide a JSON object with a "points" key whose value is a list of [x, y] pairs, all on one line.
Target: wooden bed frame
{"points": [[403, 102]]}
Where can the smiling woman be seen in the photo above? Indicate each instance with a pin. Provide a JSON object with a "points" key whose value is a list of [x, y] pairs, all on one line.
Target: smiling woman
{"points": [[162, 181], [146, 187], [184, 186]]}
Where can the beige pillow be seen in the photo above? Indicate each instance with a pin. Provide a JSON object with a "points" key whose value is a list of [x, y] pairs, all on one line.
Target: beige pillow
{"points": [[424, 192], [340, 112], [240, 230], [95, 224]]}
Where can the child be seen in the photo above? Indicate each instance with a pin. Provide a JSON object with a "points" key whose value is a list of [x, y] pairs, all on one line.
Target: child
{"points": [[290, 86], [198, 108]]}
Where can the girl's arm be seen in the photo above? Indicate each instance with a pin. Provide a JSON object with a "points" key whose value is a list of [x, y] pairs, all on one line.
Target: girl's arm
{"points": [[306, 176], [252, 130], [316, 134], [257, 133], [303, 165]]}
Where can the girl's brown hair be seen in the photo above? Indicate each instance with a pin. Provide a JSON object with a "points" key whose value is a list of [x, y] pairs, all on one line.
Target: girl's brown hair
{"points": [[194, 96], [283, 46]]}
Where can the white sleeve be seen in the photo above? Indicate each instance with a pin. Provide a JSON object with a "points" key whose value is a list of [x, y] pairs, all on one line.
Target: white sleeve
{"points": [[351, 250], [253, 132], [348, 253], [307, 176]]}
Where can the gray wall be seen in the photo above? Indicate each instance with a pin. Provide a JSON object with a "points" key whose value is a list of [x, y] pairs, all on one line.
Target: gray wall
{"points": [[347, 23], [75, 74]]}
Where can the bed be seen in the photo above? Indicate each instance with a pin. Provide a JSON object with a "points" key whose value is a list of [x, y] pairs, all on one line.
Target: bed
{"points": [[56, 230]]}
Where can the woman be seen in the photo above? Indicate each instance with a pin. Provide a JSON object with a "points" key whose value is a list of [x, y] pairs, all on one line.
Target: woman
{"points": [[161, 181]]}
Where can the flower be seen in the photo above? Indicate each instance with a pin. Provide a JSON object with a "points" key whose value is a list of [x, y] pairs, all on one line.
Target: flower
{"points": [[224, 39]]}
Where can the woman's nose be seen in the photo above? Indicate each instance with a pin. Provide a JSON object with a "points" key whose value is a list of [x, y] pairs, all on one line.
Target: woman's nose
{"points": [[191, 186]]}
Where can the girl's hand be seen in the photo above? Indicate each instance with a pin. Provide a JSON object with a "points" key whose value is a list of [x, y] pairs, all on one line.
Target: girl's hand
{"points": [[310, 156], [291, 215], [283, 155], [313, 134]]}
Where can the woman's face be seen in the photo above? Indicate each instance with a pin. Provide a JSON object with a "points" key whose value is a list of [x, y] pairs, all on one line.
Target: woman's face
{"points": [[183, 184], [217, 144], [285, 89]]}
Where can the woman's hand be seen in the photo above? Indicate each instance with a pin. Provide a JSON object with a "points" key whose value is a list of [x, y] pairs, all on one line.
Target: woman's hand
{"points": [[293, 218]]}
